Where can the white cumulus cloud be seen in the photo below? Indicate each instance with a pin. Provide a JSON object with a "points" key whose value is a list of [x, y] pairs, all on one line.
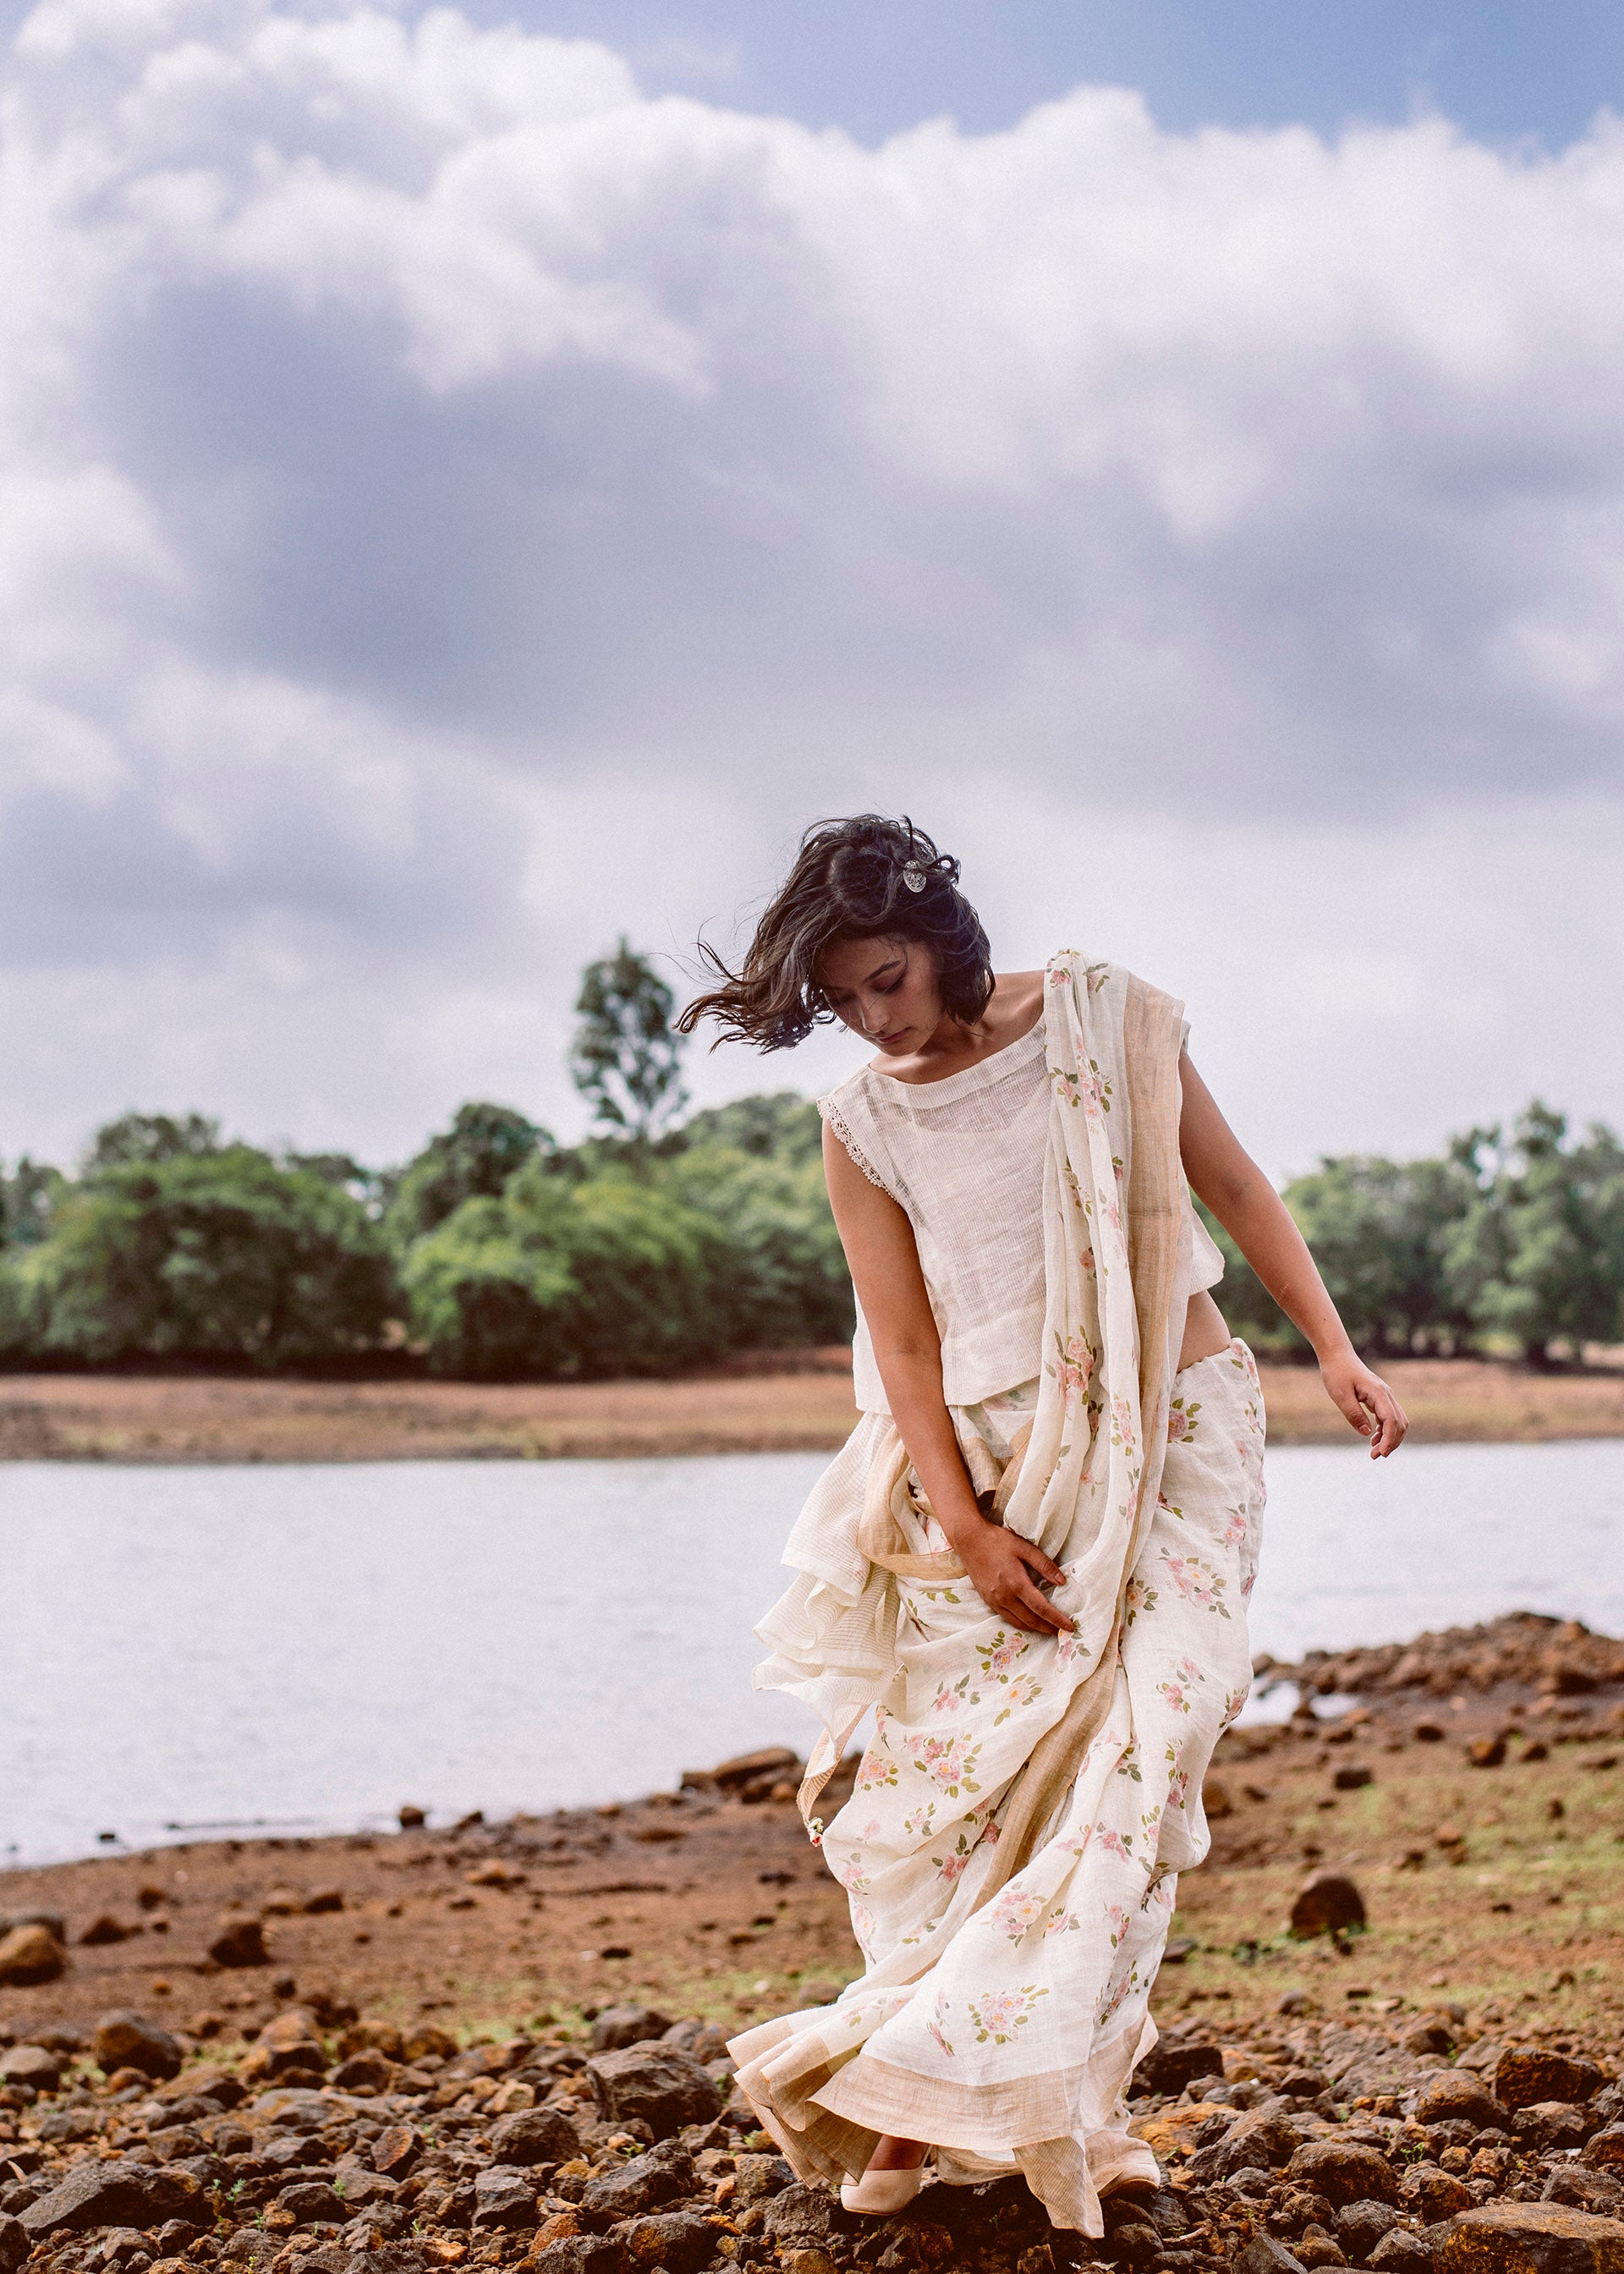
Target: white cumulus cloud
{"points": [[456, 504]]}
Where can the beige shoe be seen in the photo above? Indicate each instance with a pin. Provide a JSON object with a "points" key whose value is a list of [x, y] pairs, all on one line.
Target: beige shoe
{"points": [[879, 2194]]}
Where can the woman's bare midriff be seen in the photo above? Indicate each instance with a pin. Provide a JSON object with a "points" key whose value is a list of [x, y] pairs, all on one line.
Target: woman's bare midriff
{"points": [[1205, 1331]]}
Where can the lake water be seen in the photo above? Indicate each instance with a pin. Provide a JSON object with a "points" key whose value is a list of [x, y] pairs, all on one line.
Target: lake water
{"points": [[303, 1649]]}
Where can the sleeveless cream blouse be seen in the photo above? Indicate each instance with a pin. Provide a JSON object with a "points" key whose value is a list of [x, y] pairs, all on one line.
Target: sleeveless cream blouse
{"points": [[965, 1157]]}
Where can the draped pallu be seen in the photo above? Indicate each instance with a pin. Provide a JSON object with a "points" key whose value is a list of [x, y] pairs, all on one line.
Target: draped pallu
{"points": [[1011, 1845]]}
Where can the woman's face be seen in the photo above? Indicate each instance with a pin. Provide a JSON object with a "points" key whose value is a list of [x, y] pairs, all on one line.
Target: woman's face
{"points": [[883, 989]]}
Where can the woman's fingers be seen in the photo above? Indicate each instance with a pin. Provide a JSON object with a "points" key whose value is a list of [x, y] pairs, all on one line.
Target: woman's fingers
{"points": [[1351, 1406], [1391, 1421]]}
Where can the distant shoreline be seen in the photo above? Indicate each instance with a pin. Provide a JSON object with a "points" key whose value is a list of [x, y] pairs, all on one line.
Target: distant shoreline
{"points": [[807, 1407]]}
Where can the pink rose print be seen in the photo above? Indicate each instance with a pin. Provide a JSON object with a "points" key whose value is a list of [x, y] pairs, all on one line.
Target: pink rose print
{"points": [[1003, 1651], [947, 1761], [1174, 1696], [1182, 1423], [998, 2014], [951, 1868], [1196, 1582], [874, 1769], [1114, 1843], [1116, 1919], [1074, 1365], [1122, 1423], [1015, 1910]]}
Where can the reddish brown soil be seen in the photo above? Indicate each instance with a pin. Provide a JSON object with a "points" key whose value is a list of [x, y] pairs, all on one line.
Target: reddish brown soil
{"points": [[806, 1407]]}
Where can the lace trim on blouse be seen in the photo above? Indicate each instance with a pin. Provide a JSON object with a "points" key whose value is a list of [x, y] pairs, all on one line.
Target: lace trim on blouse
{"points": [[842, 1128]]}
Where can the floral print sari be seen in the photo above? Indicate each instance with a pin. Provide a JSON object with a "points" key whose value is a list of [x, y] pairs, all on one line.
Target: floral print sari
{"points": [[1013, 1844]]}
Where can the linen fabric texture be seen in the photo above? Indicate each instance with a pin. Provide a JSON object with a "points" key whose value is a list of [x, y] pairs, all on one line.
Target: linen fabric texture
{"points": [[1012, 1847]]}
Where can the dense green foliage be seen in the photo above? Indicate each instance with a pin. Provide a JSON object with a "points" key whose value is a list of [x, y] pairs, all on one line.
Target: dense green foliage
{"points": [[496, 1253], [1513, 1241]]}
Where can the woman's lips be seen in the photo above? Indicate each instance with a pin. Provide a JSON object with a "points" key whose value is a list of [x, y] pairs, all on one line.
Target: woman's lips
{"points": [[889, 1042]]}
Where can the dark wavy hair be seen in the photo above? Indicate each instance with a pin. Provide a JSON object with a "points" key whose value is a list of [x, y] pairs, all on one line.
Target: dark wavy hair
{"points": [[864, 878]]}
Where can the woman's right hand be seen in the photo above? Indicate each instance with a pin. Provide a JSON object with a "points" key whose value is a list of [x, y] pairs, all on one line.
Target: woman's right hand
{"points": [[1006, 1571]]}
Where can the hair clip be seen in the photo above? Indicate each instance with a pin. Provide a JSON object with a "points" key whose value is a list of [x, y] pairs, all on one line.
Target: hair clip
{"points": [[913, 876]]}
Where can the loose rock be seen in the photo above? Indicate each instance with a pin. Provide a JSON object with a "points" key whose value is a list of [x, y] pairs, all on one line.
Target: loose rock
{"points": [[239, 1941], [1264, 2255], [1328, 1903], [504, 2198], [115, 2193], [618, 2026], [680, 2240], [1343, 2173], [31, 1954], [1510, 2237], [129, 2040], [1527, 2074], [656, 2085], [1171, 2064], [1455, 2093], [533, 2135]]}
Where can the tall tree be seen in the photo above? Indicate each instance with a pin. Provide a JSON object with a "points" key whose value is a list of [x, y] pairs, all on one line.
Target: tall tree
{"points": [[1539, 1255], [472, 1160], [149, 1138], [626, 1061]]}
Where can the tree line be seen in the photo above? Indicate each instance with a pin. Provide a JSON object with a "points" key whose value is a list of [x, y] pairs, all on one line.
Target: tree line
{"points": [[665, 1238]]}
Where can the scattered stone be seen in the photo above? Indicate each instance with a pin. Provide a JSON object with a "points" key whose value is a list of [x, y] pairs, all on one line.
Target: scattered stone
{"points": [[14, 2243], [323, 1899], [756, 2179], [656, 2085], [1487, 1752], [1454, 2093], [504, 2196], [129, 2040], [1605, 2152], [240, 1940], [1353, 1778], [411, 1817], [618, 2026], [106, 1927], [701, 2041], [1549, 2126], [533, 2135], [1400, 2252], [641, 2186], [1433, 2194], [1264, 2255], [1584, 2190], [311, 2202], [1513, 2238], [1215, 1801], [1171, 2064], [113, 2194], [579, 2253], [1527, 2074], [1328, 1903], [30, 1952], [288, 2047], [1361, 2225], [680, 2240], [1343, 2173], [31, 2064], [802, 2218]]}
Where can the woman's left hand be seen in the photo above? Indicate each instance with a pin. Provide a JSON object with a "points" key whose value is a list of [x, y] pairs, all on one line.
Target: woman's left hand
{"points": [[1364, 1397]]}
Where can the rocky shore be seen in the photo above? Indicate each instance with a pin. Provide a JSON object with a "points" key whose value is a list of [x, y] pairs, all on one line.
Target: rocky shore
{"points": [[1392, 2015]]}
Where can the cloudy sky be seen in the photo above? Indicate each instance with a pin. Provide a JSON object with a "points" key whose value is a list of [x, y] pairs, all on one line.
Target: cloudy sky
{"points": [[471, 486]]}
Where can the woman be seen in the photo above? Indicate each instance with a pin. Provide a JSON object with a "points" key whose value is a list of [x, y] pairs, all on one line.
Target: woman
{"points": [[1032, 1558]]}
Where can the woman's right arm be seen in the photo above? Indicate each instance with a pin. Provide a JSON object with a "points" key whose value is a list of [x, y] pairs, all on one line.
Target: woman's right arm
{"points": [[884, 1259]]}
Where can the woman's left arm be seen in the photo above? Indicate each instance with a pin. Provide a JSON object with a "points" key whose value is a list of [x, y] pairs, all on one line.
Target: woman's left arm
{"points": [[1259, 1222]]}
